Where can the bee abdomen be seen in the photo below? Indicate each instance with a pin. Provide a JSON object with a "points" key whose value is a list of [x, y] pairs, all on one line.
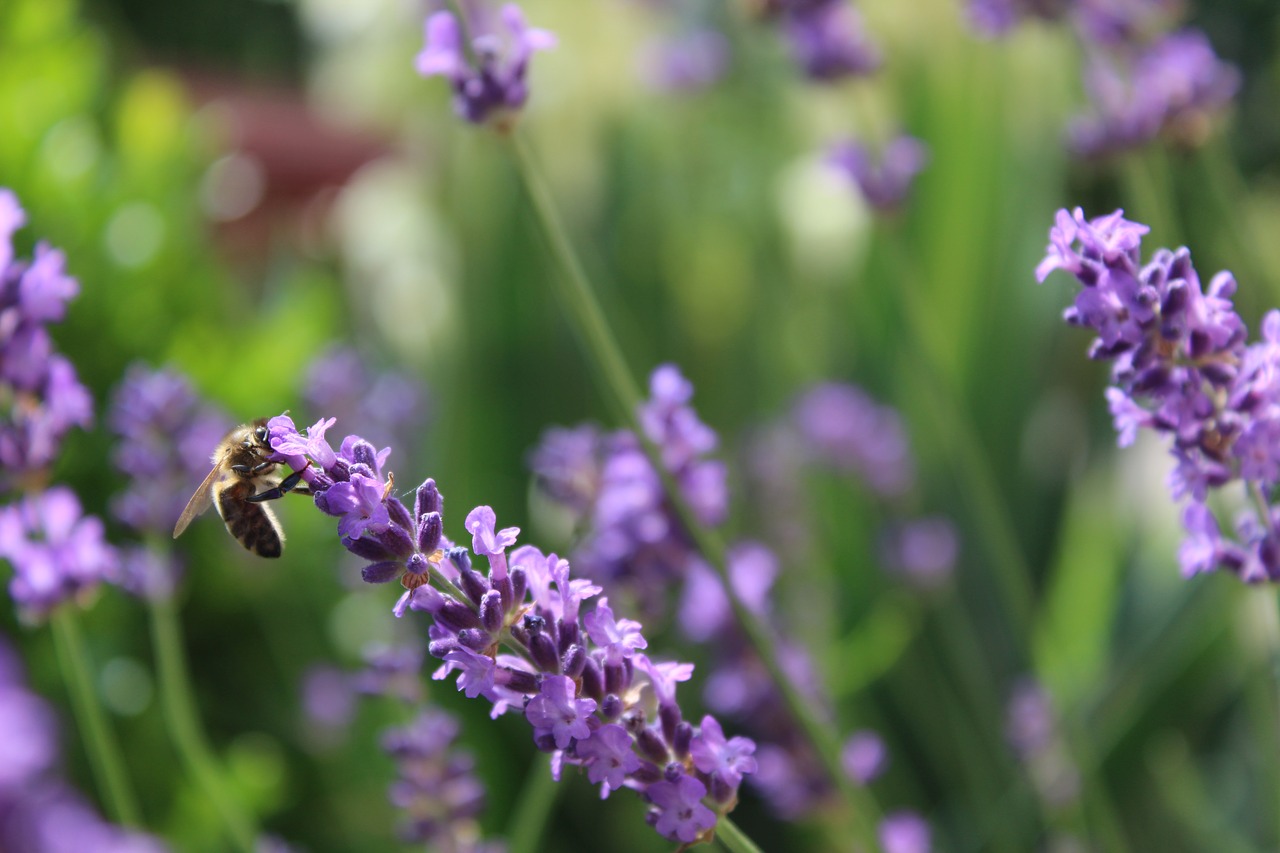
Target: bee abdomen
{"points": [[251, 524]]}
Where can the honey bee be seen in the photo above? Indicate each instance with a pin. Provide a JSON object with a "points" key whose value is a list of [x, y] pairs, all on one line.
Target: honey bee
{"points": [[244, 476]]}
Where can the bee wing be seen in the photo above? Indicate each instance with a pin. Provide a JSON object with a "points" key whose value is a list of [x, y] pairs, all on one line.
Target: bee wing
{"points": [[200, 501]]}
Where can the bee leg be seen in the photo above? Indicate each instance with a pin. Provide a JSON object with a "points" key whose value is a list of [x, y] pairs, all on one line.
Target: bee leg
{"points": [[288, 484]]}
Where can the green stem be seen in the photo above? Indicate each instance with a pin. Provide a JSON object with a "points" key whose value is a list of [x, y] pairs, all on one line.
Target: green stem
{"points": [[730, 835], [100, 741], [524, 835], [620, 389], [184, 726]]}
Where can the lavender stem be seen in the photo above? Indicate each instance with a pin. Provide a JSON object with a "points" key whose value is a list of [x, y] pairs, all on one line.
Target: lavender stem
{"points": [[100, 741]]}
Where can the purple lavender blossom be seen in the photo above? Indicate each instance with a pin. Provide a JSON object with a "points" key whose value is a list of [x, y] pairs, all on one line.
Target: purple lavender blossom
{"points": [[165, 432], [37, 810], [1174, 86], [828, 40], [923, 550], [633, 533], [436, 784], [328, 701], [392, 405], [905, 832], [1181, 366], [864, 756], [685, 62], [42, 398], [885, 184], [488, 77], [391, 671], [1032, 730], [844, 428], [515, 638], [994, 18], [58, 554]]}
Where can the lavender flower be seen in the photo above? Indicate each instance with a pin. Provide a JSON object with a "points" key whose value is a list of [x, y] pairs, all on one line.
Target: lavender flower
{"points": [[883, 185], [516, 638], [488, 77], [685, 62], [844, 428], [923, 550], [994, 18], [436, 785], [905, 832], [57, 553], [1032, 730], [393, 404], [828, 40], [391, 671], [37, 810], [864, 756], [1181, 367], [165, 433], [40, 396], [633, 532], [1173, 87]]}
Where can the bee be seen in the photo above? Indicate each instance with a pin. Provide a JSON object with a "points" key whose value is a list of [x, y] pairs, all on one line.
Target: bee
{"points": [[244, 476]]}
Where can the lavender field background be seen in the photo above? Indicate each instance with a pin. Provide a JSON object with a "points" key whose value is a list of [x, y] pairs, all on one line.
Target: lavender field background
{"points": [[965, 619]]}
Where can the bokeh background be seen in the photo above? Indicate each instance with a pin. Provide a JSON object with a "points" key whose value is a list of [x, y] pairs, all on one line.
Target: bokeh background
{"points": [[242, 186]]}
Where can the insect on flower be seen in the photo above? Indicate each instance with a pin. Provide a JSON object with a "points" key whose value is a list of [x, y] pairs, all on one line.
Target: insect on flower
{"points": [[243, 476]]}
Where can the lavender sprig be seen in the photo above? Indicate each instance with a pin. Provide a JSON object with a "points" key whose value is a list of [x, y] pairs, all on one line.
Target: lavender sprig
{"points": [[485, 59], [40, 397], [517, 637], [1181, 367]]}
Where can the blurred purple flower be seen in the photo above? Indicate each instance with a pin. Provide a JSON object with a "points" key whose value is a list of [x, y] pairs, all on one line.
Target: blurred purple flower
{"points": [[995, 18], [844, 428], [883, 185], [905, 832], [864, 756], [924, 549], [828, 40], [391, 406], [685, 62], [38, 812], [1174, 86], [57, 553], [165, 433], [436, 785], [632, 532], [488, 77], [40, 397]]}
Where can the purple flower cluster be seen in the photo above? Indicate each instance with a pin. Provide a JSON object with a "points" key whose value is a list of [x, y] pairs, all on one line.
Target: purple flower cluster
{"points": [[1144, 79], [1032, 730], [686, 61], [38, 811], [393, 405], [593, 698], [486, 59], [58, 554], [40, 396], [633, 533], [1181, 367], [884, 184], [165, 432], [827, 38], [1171, 87], [436, 786], [841, 427]]}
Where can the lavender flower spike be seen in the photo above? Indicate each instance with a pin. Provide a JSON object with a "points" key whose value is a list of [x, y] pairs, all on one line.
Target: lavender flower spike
{"points": [[489, 75], [515, 637], [1181, 366], [883, 185]]}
